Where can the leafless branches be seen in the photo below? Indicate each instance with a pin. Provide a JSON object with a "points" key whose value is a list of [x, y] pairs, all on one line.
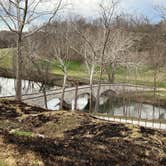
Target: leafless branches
{"points": [[17, 15]]}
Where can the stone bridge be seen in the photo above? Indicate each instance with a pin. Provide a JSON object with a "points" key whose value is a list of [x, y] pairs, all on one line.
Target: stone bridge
{"points": [[106, 89]]}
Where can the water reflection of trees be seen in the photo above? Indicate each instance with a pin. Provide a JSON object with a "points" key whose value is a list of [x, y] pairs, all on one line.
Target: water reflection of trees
{"points": [[125, 107]]}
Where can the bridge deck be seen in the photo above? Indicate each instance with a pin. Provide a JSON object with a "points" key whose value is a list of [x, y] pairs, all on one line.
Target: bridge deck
{"points": [[38, 99]]}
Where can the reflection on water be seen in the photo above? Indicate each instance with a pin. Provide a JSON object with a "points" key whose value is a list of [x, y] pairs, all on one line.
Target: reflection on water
{"points": [[81, 102], [54, 104], [133, 109], [117, 107], [7, 87]]}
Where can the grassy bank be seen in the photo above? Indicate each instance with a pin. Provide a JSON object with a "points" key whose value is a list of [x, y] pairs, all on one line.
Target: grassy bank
{"points": [[77, 69], [6, 58]]}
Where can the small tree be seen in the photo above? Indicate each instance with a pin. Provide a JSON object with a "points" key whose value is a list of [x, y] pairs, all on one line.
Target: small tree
{"points": [[60, 52], [37, 60], [91, 44], [107, 12]]}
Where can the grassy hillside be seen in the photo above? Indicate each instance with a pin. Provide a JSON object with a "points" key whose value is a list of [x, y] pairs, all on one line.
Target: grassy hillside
{"points": [[34, 136], [6, 58], [77, 69]]}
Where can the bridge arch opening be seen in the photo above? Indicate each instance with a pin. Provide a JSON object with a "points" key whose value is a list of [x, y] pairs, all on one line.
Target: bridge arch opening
{"points": [[106, 95], [83, 101]]}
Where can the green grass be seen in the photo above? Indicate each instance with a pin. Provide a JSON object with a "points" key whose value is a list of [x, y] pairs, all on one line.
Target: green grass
{"points": [[143, 77], [79, 70], [23, 133], [2, 162], [6, 58]]}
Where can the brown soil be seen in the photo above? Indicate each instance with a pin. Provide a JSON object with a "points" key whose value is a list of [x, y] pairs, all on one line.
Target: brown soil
{"points": [[73, 138]]}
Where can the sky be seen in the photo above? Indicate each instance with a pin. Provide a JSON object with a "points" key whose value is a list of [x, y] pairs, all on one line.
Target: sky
{"points": [[90, 9]]}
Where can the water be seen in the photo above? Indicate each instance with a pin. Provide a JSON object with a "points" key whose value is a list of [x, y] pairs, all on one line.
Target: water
{"points": [[110, 106], [7, 87], [82, 102], [114, 107], [132, 110], [54, 104]]}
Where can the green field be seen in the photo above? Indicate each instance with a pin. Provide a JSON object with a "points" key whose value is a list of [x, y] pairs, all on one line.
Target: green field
{"points": [[6, 58], [77, 69]]}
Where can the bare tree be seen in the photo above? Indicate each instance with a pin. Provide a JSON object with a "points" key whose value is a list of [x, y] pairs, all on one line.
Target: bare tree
{"points": [[17, 15], [107, 10], [92, 38], [91, 45], [161, 10], [37, 60], [96, 44], [60, 52], [118, 54]]}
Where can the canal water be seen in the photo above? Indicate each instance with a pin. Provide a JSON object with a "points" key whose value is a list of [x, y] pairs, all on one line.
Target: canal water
{"points": [[132, 110], [7, 87], [116, 107]]}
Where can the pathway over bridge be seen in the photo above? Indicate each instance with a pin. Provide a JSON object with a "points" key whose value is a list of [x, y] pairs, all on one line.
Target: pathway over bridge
{"points": [[38, 99]]}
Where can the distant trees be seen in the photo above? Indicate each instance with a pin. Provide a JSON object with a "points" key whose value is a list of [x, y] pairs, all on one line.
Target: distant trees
{"points": [[7, 39], [119, 51]]}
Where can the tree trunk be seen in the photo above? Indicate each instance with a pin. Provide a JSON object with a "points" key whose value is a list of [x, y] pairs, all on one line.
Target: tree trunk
{"points": [[108, 73], [76, 96], [112, 79], [98, 90], [19, 70], [91, 88], [154, 90], [63, 89], [45, 96]]}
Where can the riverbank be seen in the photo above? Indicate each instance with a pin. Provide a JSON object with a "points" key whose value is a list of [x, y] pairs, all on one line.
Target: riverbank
{"points": [[52, 79], [34, 136]]}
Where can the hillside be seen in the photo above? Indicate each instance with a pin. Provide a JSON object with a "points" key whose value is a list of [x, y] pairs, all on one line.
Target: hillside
{"points": [[34, 136]]}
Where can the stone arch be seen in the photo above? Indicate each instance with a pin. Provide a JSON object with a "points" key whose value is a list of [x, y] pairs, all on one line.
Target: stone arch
{"points": [[105, 96], [88, 99], [108, 93]]}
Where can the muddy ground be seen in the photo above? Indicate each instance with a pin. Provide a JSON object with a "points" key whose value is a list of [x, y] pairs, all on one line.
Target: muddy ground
{"points": [[34, 136]]}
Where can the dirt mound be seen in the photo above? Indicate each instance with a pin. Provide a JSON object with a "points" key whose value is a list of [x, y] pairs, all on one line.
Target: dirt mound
{"points": [[74, 138], [13, 109], [93, 146]]}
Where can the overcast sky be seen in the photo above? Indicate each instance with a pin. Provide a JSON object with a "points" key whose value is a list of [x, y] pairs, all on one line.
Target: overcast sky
{"points": [[89, 8], [146, 7]]}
